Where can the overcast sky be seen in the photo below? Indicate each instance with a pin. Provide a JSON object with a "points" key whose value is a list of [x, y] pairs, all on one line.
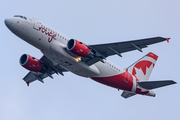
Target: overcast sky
{"points": [[71, 97]]}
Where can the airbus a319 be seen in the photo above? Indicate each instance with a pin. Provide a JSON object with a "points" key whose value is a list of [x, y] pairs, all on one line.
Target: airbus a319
{"points": [[62, 54]]}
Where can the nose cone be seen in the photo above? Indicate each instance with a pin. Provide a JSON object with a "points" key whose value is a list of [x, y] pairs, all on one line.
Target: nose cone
{"points": [[8, 22]]}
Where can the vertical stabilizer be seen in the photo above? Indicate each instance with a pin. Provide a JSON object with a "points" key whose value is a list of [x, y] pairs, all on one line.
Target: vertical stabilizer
{"points": [[143, 67]]}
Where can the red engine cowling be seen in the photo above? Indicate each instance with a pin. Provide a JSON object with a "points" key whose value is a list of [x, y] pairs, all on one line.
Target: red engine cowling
{"points": [[78, 48], [30, 63]]}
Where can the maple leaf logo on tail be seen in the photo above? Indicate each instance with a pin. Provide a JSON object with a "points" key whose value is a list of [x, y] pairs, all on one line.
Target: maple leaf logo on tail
{"points": [[142, 68]]}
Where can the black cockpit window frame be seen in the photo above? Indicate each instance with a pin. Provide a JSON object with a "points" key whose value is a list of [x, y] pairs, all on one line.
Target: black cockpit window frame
{"points": [[23, 17]]}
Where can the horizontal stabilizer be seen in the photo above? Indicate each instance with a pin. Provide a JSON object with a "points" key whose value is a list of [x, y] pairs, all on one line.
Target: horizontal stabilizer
{"points": [[127, 94], [154, 84]]}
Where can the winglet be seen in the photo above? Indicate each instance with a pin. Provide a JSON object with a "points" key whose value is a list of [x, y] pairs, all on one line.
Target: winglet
{"points": [[28, 84], [167, 39]]}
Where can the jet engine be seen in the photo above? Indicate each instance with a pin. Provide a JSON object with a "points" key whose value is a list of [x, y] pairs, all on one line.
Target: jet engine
{"points": [[78, 48], [30, 63]]}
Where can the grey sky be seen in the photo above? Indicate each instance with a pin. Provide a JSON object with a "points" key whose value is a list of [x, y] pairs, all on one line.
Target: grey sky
{"points": [[75, 98]]}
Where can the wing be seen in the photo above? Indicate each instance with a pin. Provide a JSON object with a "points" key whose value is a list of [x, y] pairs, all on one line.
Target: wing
{"points": [[49, 69], [100, 52], [121, 47]]}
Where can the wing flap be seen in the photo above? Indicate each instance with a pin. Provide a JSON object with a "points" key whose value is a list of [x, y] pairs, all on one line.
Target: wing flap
{"points": [[155, 84]]}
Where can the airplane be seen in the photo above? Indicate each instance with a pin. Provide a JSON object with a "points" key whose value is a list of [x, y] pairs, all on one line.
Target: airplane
{"points": [[62, 54]]}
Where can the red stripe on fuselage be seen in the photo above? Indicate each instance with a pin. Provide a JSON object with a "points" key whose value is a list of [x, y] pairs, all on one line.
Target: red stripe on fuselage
{"points": [[122, 81]]}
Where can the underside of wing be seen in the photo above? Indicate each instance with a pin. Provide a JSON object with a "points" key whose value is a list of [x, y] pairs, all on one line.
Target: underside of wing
{"points": [[49, 69], [32, 76]]}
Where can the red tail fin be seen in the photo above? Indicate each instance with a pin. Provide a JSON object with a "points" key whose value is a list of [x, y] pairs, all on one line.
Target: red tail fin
{"points": [[143, 67]]}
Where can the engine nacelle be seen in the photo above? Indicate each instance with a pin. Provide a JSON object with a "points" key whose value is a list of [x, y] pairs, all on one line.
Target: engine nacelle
{"points": [[30, 63], [78, 48]]}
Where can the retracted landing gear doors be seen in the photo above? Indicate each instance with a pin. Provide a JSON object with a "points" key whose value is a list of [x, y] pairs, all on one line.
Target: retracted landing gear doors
{"points": [[36, 24]]}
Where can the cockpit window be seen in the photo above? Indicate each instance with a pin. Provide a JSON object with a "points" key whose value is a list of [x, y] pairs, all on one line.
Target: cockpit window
{"points": [[16, 16], [21, 16]]}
